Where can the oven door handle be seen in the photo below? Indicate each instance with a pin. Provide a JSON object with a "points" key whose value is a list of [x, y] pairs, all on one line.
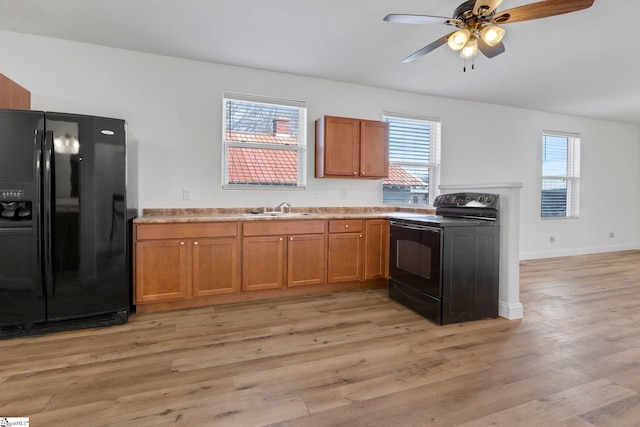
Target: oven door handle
{"points": [[416, 227]]}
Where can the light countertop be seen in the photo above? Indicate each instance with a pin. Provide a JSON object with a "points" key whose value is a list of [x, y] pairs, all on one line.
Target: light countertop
{"points": [[164, 216]]}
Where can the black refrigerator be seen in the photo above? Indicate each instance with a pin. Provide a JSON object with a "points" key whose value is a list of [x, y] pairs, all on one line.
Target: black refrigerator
{"points": [[64, 222]]}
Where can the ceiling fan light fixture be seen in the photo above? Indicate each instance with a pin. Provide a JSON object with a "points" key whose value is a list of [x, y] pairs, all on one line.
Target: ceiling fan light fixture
{"points": [[459, 39], [470, 49], [492, 35], [479, 20]]}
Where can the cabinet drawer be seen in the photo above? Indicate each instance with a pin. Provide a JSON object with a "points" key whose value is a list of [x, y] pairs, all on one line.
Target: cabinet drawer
{"points": [[271, 228], [186, 231], [345, 226]]}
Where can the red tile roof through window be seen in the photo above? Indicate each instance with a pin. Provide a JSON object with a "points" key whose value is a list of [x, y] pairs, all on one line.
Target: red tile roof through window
{"points": [[254, 165], [399, 176]]}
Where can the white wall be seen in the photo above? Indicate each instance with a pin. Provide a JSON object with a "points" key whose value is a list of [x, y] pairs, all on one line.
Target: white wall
{"points": [[174, 108]]}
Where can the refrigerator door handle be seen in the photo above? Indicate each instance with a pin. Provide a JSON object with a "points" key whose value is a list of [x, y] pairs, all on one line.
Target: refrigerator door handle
{"points": [[47, 203], [37, 217]]}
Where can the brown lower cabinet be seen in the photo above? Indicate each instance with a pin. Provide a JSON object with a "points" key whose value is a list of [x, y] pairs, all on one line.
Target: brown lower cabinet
{"points": [[262, 263], [264, 259], [215, 266], [271, 248], [161, 270], [182, 265], [376, 256], [306, 260], [346, 246], [181, 261]]}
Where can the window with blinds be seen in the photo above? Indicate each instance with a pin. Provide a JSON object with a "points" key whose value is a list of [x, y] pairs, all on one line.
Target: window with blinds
{"points": [[264, 142], [414, 159], [560, 175]]}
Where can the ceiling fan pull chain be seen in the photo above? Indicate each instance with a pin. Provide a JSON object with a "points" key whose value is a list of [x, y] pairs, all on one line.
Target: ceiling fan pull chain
{"points": [[473, 64]]}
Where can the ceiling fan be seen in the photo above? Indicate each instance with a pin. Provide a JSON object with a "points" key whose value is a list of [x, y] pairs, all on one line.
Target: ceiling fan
{"points": [[478, 24]]}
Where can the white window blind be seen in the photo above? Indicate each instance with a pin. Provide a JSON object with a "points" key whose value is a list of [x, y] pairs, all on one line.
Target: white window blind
{"points": [[264, 142], [414, 159], [560, 175]]}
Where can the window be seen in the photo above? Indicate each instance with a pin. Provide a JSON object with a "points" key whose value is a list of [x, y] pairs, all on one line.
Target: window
{"points": [[414, 159], [560, 175], [265, 142]]}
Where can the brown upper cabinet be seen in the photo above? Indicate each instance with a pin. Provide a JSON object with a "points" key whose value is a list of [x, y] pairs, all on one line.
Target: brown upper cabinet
{"points": [[12, 95], [351, 148]]}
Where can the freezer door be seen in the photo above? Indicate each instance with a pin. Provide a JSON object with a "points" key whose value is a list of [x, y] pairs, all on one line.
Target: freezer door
{"points": [[21, 292], [22, 298], [88, 226], [17, 133]]}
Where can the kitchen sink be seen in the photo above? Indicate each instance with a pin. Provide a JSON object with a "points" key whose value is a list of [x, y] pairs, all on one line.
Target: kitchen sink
{"points": [[277, 214]]}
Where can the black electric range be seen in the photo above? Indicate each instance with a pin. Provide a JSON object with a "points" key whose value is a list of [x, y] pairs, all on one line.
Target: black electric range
{"points": [[446, 266]]}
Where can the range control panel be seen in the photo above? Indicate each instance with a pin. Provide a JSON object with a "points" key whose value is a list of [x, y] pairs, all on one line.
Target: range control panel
{"points": [[467, 200]]}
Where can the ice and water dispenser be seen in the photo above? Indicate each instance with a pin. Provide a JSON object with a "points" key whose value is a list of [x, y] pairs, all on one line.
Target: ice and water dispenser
{"points": [[18, 238], [15, 211]]}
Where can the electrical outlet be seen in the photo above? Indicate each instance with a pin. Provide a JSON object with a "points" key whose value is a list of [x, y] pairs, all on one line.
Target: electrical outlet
{"points": [[612, 234], [186, 194], [552, 239], [315, 194], [343, 193]]}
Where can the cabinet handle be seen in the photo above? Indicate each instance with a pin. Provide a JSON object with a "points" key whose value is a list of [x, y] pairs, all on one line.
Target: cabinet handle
{"points": [[181, 243], [280, 239], [363, 173], [346, 226], [355, 173], [195, 243], [360, 235], [290, 238]]}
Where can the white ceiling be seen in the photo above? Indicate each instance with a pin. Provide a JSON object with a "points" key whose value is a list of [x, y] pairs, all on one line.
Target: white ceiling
{"points": [[585, 63]]}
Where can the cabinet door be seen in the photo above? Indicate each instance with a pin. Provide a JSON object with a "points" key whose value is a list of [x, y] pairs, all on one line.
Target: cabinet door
{"points": [[13, 96], [215, 266], [345, 257], [374, 149], [161, 270], [262, 263], [376, 249], [341, 146], [306, 260]]}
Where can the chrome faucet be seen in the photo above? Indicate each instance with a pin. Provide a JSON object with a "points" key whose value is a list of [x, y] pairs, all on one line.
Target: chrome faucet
{"points": [[282, 206]]}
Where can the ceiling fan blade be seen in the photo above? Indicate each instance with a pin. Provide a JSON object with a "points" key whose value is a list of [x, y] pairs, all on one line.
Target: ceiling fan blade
{"points": [[485, 7], [541, 9], [428, 48], [416, 19], [490, 51]]}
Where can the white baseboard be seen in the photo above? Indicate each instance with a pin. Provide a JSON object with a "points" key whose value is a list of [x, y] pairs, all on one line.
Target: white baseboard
{"points": [[577, 251], [510, 311]]}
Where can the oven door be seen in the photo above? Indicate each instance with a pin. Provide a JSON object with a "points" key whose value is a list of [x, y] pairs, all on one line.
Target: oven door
{"points": [[415, 251]]}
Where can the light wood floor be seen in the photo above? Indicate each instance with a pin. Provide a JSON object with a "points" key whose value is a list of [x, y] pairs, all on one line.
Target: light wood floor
{"points": [[350, 359]]}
